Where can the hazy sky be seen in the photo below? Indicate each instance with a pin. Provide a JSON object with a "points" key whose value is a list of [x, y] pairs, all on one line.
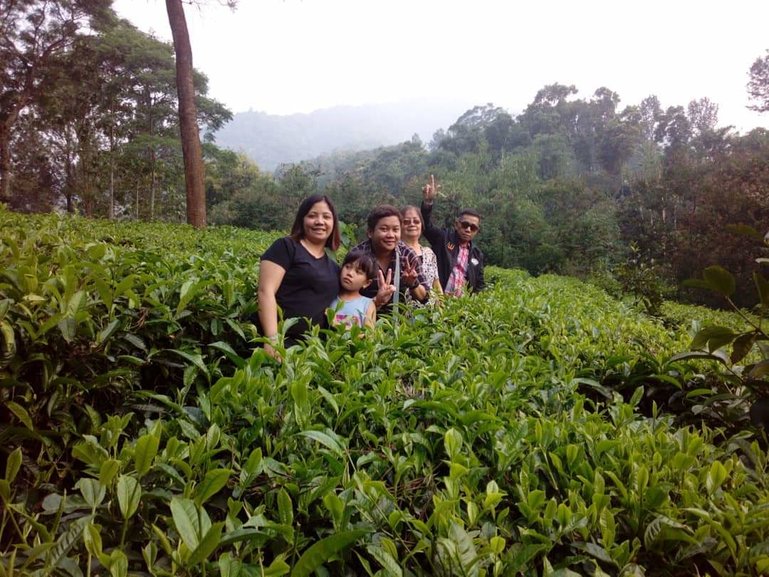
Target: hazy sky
{"points": [[287, 56]]}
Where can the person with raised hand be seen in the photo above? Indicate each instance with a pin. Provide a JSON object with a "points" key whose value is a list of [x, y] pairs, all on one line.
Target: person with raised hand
{"points": [[460, 261], [297, 276], [398, 268]]}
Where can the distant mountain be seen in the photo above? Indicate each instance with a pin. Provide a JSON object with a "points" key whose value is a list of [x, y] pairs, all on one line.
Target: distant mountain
{"points": [[270, 140]]}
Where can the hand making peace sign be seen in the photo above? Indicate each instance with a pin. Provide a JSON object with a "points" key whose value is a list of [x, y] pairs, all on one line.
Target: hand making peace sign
{"points": [[430, 190], [385, 288]]}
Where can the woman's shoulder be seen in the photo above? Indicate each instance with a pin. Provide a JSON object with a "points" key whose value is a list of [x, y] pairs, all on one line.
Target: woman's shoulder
{"points": [[280, 249]]}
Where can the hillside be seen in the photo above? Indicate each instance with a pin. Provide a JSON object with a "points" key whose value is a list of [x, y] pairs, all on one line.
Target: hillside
{"points": [[528, 430], [270, 140]]}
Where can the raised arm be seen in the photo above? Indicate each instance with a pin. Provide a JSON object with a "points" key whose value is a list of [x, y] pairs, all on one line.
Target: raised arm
{"points": [[432, 233]]}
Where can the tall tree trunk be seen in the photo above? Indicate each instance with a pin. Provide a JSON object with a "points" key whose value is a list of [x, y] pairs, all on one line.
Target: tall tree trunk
{"points": [[6, 125], [188, 121]]}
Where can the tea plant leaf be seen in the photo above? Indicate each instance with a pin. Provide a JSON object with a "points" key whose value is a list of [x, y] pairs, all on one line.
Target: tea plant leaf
{"points": [[195, 358], [327, 440], [21, 413], [129, 493], [277, 568], [92, 490], [690, 355], [716, 477], [212, 483], [186, 294], [105, 334], [57, 556], [118, 564], [8, 339], [229, 566], [742, 346], [285, 508], [657, 530], [323, 550], [713, 338], [452, 442], [720, 280], [227, 349], [145, 450], [191, 521], [13, 465], [207, 545], [390, 567]]}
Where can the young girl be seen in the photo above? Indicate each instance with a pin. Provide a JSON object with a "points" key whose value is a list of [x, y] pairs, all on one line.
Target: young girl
{"points": [[351, 308]]}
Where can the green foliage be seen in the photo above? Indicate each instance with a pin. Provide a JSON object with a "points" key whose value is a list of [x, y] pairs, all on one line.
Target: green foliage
{"points": [[644, 280], [499, 434], [746, 382]]}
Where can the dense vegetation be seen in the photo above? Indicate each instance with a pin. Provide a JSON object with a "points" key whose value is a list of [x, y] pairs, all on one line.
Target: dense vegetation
{"points": [[542, 427], [640, 195]]}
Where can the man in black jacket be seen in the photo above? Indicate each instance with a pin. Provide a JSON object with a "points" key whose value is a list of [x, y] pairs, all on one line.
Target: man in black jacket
{"points": [[460, 262]]}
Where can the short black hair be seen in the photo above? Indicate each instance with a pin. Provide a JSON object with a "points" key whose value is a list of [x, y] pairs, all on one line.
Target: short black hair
{"points": [[380, 212], [363, 262]]}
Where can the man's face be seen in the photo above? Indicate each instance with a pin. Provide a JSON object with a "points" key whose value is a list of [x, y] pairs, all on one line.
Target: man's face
{"points": [[467, 226]]}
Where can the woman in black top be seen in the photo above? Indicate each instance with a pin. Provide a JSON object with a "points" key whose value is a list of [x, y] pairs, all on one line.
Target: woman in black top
{"points": [[297, 275]]}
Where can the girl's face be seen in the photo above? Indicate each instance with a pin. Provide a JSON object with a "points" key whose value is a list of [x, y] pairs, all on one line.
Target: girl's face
{"points": [[386, 234], [318, 223], [412, 224], [353, 278]]}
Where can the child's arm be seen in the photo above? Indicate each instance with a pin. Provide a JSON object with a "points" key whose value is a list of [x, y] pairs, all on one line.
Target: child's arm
{"points": [[371, 315]]}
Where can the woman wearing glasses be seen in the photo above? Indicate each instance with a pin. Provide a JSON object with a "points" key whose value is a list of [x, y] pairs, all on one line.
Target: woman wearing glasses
{"points": [[460, 261], [410, 234]]}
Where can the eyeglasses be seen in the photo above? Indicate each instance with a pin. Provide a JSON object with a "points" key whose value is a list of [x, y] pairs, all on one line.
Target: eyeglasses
{"points": [[469, 225], [411, 221]]}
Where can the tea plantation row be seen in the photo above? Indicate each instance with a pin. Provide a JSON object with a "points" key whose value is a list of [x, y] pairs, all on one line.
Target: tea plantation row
{"points": [[538, 428]]}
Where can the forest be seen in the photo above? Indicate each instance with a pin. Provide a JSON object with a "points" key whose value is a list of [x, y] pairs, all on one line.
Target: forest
{"points": [[640, 197]]}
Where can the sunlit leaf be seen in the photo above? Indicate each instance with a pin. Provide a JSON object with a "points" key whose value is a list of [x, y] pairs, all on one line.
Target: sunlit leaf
{"points": [[323, 550]]}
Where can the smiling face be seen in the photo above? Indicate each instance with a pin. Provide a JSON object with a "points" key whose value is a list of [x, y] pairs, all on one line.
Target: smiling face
{"points": [[385, 234], [412, 225], [318, 223], [467, 226]]}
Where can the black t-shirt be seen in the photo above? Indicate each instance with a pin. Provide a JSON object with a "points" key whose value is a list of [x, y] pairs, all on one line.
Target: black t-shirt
{"points": [[309, 285]]}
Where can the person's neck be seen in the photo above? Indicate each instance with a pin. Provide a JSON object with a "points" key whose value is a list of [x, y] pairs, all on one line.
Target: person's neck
{"points": [[314, 248], [384, 256], [348, 295], [413, 243]]}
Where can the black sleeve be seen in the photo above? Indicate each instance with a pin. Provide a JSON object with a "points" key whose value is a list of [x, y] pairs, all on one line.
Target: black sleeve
{"points": [[481, 280], [281, 252], [432, 233]]}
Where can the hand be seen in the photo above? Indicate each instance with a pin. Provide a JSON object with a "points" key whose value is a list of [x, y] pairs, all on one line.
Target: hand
{"points": [[430, 190], [386, 288], [409, 277], [268, 348]]}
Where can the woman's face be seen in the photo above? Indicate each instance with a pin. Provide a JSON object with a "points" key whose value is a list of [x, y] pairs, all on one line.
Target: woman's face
{"points": [[318, 223], [386, 234], [412, 224]]}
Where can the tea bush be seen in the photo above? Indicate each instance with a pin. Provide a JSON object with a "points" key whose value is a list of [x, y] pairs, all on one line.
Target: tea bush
{"points": [[521, 431]]}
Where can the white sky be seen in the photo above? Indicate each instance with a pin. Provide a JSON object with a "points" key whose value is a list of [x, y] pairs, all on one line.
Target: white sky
{"points": [[287, 56]]}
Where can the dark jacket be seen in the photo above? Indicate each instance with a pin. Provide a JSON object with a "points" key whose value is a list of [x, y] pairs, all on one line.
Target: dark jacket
{"points": [[445, 244]]}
